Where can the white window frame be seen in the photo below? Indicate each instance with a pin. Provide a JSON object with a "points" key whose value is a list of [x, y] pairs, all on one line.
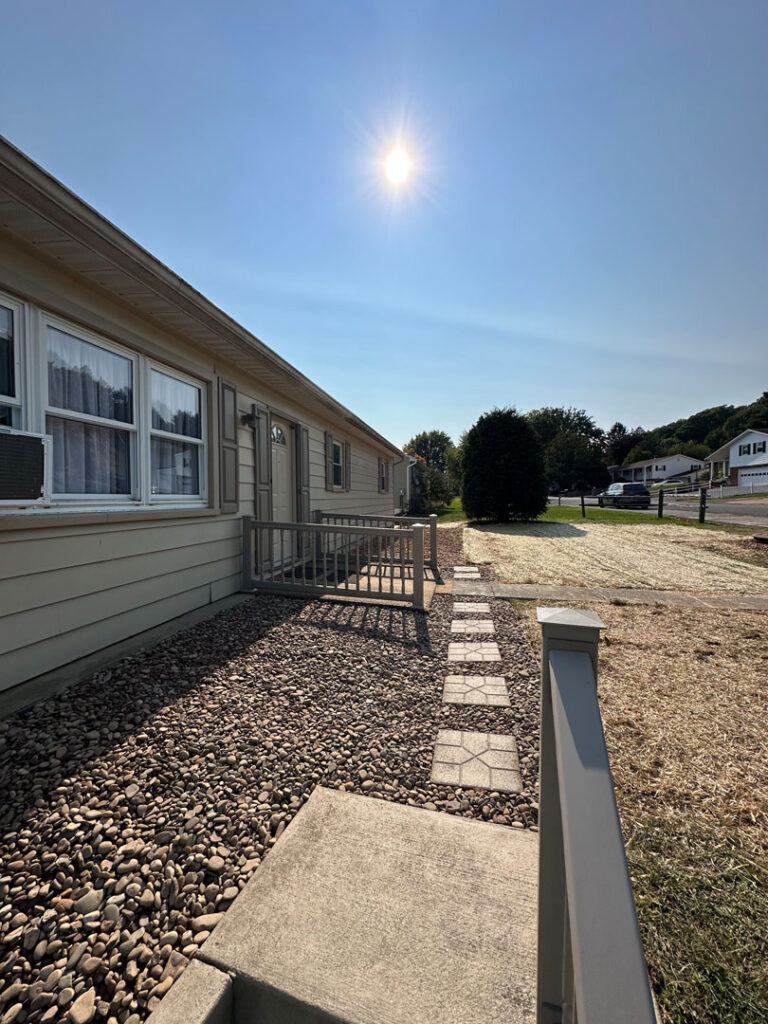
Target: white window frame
{"points": [[80, 417], [31, 325], [150, 432], [19, 333]]}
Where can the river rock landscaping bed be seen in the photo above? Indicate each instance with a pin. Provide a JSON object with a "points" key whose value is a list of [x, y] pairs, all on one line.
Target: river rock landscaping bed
{"points": [[139, 803]]}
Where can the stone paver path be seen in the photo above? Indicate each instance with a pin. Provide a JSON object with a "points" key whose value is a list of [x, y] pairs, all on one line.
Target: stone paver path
{"points": [[673, 598], [472, 626], [468, 689], [471, 608], [474, 651], [476, 759]]}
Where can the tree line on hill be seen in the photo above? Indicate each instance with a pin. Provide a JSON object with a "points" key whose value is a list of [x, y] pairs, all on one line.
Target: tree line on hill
{"points": [[574, 452]]}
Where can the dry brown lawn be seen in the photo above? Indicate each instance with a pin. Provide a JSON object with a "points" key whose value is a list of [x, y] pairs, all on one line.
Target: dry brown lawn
{"points": [[606, 555]]}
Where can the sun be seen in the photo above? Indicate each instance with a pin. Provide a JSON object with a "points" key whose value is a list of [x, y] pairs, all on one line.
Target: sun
{"points": [[398, 166]]}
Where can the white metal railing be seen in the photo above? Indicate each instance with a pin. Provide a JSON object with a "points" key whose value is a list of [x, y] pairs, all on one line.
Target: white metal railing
{"points": [[591, 966], [314, 559], [393, 521]]}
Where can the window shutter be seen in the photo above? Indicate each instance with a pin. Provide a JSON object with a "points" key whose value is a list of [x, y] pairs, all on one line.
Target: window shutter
{"points": [[229, 476], [302, 435], [328, 461], [263, 453], [262, 450], [387, 468], [347, 466], [380, 474]]}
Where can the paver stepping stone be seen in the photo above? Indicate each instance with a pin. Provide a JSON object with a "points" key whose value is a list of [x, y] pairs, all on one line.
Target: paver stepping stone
{"points": [[471, 607], [474, 650], [467, 689], [476, 760], [472, 626]]}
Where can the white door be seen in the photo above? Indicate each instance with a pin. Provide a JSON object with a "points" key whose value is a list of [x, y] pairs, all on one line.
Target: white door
{"points": [[283, 488]]}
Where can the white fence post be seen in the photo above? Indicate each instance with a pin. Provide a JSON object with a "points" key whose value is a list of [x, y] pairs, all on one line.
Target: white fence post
{"points": [[418, 566], [571, 630]]}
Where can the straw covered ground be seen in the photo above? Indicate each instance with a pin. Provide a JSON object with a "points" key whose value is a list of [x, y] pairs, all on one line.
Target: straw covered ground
{"points": [[656, 557]]}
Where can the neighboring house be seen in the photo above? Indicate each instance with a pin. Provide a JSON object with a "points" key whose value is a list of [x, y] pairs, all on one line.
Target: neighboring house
{"points": [[743, 461], [163, 421], [403, 483], [665, 467]]}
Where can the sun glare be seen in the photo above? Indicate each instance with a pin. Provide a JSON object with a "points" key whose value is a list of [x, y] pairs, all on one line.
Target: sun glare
{"points": [[398, 166]]}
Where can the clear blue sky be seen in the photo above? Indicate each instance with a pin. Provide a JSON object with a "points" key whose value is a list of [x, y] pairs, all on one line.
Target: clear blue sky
{"points": [[586, 223]]}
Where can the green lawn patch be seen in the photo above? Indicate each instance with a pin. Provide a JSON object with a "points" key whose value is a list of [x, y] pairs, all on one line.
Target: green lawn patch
{"points": [[621, 517], [453, 513], [702, 903]]}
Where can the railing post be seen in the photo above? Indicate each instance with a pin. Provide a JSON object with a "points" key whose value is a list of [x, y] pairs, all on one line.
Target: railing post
{"points": [[248, 569], [572, 630], [702, 504], [661, 503], [433, 542], [418, 566]]}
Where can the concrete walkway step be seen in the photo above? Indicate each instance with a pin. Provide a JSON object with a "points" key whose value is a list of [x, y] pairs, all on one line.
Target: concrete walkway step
{"points": [[369, 912]]}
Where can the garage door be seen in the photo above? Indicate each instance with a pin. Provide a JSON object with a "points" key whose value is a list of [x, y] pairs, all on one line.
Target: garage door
{"points": [[753, 476]]}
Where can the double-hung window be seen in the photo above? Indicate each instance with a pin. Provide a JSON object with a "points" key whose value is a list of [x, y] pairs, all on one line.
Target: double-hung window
{"points": [[744, 449], [10, 364], [758, 447], [176, 436], [126, 430], [91, 416]]}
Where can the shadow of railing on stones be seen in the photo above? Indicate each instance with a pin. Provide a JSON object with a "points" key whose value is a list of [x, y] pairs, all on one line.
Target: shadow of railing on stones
{"points": [[52, 740], [404, 626]]}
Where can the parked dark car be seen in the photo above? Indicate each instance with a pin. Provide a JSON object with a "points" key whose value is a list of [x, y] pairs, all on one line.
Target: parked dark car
{"points": [[625, 496]]}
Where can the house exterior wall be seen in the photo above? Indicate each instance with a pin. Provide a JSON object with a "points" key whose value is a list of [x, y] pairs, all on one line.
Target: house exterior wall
{"points": [[755, 439], [653, 470], [75, 581]]}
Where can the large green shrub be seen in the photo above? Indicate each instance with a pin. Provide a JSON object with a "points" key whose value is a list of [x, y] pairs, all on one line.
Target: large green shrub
{"points": [[503, 469]]}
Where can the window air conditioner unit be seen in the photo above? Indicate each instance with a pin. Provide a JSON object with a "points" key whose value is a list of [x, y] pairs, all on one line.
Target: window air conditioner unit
{"points": [[25, 468]]}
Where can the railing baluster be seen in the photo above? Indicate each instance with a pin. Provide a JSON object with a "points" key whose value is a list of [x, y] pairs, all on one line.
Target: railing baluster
{"points": [[402, 561]]}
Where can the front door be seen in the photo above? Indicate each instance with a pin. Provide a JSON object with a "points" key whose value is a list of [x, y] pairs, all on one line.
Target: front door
{"points": [[283, 488]]}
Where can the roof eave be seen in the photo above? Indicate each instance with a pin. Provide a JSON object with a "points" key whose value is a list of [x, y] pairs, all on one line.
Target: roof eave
{"points": [[34, 187]]}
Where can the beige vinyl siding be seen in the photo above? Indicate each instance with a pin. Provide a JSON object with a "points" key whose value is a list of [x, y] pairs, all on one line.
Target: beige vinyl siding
{"points": [[74, 590], [363, 495]]}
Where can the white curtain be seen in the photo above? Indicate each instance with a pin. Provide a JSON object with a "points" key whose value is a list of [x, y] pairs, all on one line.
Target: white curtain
{"points": [[175, 405], [175, 467], [88, 459], [86, 378]]}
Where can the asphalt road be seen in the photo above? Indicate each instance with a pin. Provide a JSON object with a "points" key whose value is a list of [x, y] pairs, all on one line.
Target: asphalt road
{"points": [[740, 513]]}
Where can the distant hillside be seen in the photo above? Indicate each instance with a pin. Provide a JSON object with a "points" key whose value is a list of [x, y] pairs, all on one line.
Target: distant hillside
{"points": [[703, 432]]}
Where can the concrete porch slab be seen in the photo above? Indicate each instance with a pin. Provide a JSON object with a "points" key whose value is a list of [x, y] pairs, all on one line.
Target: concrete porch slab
{"points": [[369, 912]]}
